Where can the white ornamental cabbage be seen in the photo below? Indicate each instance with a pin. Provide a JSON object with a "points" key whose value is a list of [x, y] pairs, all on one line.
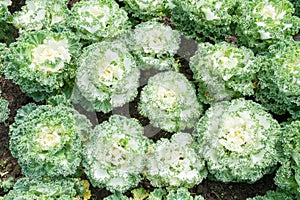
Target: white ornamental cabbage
{"points": [[224, 71], [237, 139], [204, 19], [107, 77], [41, 14], [116, 154], [42, 62], [175, 163], [98, 19], [261, 23], [169, 100], [155, 44]]}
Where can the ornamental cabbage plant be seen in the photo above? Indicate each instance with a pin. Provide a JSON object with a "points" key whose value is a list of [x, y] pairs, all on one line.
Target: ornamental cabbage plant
{"points": [[237, 140], [147, 9], [261, 23], [47, 140], [287, 176], [223, 71], [209, 19], [107, 77], [98, 19], [279, 79], [42, 63], [174, 163], [41, 14], [50, 189], [115, 155], [169, 101], [155, 44]]}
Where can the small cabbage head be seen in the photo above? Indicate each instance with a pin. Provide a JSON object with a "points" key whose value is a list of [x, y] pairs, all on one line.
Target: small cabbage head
{"points": [[47, 140], [97, 20], [42, 63], [238, 140], [155, 44], [223, 71], [261, 23], [279, 79], [41, 14], [116, 153], [107, 77], [169, 100], [50, 189], [175, 163]]}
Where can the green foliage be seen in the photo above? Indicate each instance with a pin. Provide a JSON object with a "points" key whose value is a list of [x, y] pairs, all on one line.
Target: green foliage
{"points": [[104, 69], [50, 189], [279, 79], [42, 63], [175, 163], [115, 155], [287, 176], [47, 140], [223, 71], [169, 100], [238, 140]]}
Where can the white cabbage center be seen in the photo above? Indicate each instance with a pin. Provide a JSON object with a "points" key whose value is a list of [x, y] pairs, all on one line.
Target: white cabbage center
{"points": [[166, 98], [235, 134], [51, 55], [49, 137]]}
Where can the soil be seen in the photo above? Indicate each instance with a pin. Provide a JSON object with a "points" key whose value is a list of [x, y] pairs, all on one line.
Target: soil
{"points": [[210, 190]]}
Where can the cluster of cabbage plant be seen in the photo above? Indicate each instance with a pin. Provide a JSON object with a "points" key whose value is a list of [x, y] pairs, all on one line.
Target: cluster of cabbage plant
{"points": [[95, 53]]}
